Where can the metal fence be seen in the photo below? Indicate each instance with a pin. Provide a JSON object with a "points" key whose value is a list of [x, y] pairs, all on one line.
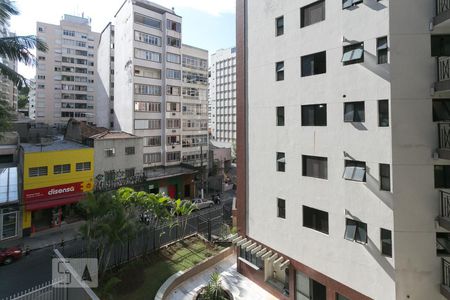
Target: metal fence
{"points": [[208, 224], [45, 291]]}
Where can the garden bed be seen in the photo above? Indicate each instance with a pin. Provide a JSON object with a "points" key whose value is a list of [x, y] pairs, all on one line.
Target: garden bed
{"points": [[142, 278]]}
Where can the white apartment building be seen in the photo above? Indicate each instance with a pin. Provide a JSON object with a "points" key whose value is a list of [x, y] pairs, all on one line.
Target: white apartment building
{"points": [[66, 73], [141, 57], [222, 96], [32, 100], [343, 149]]}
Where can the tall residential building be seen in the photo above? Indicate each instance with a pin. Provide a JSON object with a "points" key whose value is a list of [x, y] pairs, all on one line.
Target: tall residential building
{"points": [[66, 73], [222, 96], [141, 52], [32, 100], [343, 148], [8, 90]]}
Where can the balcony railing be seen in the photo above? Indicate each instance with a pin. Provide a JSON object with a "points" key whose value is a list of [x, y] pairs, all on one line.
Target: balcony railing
{"points": [[443, 67], [445, 286], [442, 6], [444, 135], [445, 204]]}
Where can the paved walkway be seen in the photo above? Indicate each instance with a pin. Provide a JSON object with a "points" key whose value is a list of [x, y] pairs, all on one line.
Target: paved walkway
{"points": [[240, 286]]}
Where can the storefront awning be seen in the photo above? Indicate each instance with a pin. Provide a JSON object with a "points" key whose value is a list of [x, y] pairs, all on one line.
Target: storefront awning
{"points": [[44, 204]]}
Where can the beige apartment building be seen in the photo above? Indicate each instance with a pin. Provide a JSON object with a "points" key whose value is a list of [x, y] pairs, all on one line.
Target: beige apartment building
{"points": [[66, 73]]}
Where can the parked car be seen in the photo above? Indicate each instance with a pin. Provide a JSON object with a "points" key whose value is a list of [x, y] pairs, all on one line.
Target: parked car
{"points": [[202, 203], [8, 255]]}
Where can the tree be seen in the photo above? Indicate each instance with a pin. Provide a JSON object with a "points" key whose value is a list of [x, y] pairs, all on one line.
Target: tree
{"points": [[6, 115], [214, 290], [23, 97]]}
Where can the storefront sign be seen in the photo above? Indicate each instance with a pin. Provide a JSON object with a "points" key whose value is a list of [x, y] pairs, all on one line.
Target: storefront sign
{"points": [[53, 192]]}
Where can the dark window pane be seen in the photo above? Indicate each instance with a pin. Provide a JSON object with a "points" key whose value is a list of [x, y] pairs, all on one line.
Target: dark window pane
{"points": [[442, 176], [314, 115], [280, 116], [383, 113], [354, 112], [385, 177], [440, 45], [312, 13], [281, 161], [442, 243], [441, 110], [386, 242], [314, 166], [279, 70], [353, 54], [314, 64], [356, 231], [355, 170], [315, 219], [279, 26], [281, 203], [382, 50]]}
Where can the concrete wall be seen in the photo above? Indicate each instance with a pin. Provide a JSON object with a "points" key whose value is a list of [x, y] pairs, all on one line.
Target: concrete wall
{"points": [[120, 161], [104, 54]]}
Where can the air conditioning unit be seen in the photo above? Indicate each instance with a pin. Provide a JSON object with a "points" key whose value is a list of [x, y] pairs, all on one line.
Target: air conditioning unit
{"points": [[174, 114]]}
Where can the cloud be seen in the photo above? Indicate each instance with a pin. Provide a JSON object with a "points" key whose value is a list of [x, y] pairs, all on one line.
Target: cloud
{"points": [[212, 7]]}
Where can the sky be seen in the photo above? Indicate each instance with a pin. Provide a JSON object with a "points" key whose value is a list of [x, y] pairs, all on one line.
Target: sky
{"points": [[208, 24]]}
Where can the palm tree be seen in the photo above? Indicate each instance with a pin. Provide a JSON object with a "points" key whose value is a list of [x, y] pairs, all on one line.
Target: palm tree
{"points": [[214, 290], [16, 48]]}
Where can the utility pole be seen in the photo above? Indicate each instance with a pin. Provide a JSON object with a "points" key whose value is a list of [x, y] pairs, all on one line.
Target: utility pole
{"points": [[201, 171]]}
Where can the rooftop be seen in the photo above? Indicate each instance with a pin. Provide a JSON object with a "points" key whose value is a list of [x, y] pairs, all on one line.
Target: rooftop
{"points": [[113, 135], [58, 145]]}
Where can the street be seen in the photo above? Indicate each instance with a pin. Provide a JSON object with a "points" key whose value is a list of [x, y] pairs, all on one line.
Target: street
{"points": [[36, 268]]}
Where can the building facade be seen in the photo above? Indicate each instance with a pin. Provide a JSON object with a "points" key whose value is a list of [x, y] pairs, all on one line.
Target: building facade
{"points": [[222, 96], [343, 148], [66, 73], [142, 52], [56, 175], [32, 100], [8, 90]]}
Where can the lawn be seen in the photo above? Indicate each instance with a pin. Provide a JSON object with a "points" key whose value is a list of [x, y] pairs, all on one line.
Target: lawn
{"points": [[142, 278]]}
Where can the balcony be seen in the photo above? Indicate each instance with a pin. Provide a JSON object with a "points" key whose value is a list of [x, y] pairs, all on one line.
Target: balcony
{"points": [[443, 76], [445, 285], [444, 215], [442, 17], [444, 140]]}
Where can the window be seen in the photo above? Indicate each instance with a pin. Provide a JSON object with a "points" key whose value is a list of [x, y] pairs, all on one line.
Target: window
{"points": [[386, 242], [314, 115], [174, 140], [350, 3], [355, 231], [281, 162], [173, 90], [147, 72], [145, 89], [280, 116], [83, 166], [353, 54], [441, 110], [173, 58], [61, 169], [147, 21], [279, 23], [314, 64], [146, 55], [382, 50], [147, 124], [281, 205], [150, 158], [129, 172], [173, 74], [315, 219], [129, 150], [37, 171], [147, 38], [172, 106], [110, 152], [354, 112], [172, 25], [355, 170], [314, 166], [442, 176], [385, 177], [312, 13], [340, 297], [173, 123], [174, 42], [440, 45], [279, 68], [309, 289], [442, 242], [173, 156], [152, 141], [147, 106], [383, 113]]}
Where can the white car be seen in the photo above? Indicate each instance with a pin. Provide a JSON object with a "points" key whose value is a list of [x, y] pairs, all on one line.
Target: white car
{"points": [[202, 203]]}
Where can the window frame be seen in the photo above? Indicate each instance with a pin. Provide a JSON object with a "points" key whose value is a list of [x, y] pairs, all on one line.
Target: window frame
{"points": [[352, 50], [317, 222], [385, 178], [281, 165], [281, 208], [280, 115], [303, 10], [317, 68], [357, 224], [382, 50], [61, 169], [279, 29], [316, 115], [353, 166], [383, 122], [318, 159], [357, 117], [279, 71], [130, 150], [386, 241], [352, 3]]}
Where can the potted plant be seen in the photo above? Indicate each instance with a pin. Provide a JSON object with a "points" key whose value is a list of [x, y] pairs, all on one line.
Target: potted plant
{"points": [[214, 290]]}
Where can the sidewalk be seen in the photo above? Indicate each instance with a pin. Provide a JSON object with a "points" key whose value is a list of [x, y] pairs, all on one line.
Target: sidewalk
{"points": [[241, 287], [53, 236]]}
